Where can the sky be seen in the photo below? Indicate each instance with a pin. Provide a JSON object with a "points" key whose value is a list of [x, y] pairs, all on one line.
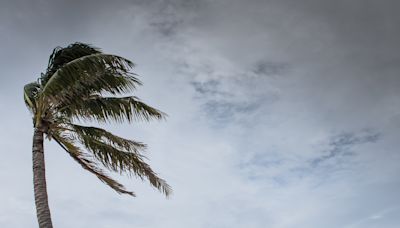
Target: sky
{"points": [[281, 113]]}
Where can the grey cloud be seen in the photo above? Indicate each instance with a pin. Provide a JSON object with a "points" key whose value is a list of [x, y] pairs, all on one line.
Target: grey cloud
{"points": [[341, 145], [270, 68], [166, 28], [224, 112], [169, 18], [230, 99], [208, 88]]}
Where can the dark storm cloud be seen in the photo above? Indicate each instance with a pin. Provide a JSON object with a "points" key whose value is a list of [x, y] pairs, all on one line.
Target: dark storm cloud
{"points": [[330, 46], [362, 35]]}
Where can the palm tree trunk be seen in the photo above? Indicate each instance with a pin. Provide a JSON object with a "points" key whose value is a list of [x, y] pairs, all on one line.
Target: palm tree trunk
{"points": [[39, 181]]}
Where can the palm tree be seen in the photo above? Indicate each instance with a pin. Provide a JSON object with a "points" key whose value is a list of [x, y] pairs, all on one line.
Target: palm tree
{"points": [[82, 84]]}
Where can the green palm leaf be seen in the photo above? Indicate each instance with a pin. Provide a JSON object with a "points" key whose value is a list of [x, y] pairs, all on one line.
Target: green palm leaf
{"points": [[31, 91], [62, 56], [96, 72], [104, 109], [112, 155], [88, 164], [106, 136]]}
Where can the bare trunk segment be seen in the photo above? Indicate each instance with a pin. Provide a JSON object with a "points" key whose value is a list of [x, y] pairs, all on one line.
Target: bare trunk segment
{"points": [[39, 181]]}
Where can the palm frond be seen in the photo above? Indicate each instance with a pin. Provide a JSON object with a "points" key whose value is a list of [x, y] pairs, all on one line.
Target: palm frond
{"points": [[106, 136], [109, 81], [117, 109], [61, 56], [31, 91], [101, 72], [120, 161], [88, 164]]}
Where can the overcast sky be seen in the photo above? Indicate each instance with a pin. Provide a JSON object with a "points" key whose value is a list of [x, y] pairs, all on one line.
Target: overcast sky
{"points": [[282, 113]]}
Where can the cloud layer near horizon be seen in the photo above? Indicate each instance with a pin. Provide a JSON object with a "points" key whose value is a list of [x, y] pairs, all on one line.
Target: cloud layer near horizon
{"points": [[281, 113]]}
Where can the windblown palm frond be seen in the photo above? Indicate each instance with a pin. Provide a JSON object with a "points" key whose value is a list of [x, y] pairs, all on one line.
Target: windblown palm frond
{"points": [[88, 164], [61, 56], [31, 91], [118, 158], [73, 88], [94, 73], [117, 109], [103, 135]]}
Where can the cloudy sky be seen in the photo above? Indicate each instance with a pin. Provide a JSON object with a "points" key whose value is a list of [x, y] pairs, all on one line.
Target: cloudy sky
{"points": [[282, 113]]}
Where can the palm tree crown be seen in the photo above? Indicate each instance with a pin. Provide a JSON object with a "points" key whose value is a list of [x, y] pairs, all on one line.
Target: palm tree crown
{"points": [[83, 84]]}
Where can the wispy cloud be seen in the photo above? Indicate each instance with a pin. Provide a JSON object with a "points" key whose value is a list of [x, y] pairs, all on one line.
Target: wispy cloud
{"points": [[341, 145]]}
